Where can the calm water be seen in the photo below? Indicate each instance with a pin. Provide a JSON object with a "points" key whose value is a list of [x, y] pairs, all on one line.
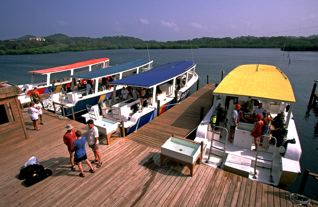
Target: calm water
{"points": [[302, 71]]}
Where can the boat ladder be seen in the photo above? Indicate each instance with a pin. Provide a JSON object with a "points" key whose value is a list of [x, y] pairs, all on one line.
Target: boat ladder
{"points": [[217, 146], [265, 157]]}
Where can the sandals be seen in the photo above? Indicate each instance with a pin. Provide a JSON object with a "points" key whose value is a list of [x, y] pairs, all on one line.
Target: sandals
{"points": [[99, 164], [82, 175], [73, 168], [91, 171]]}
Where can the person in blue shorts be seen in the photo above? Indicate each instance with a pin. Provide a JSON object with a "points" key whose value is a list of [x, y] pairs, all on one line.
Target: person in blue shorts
{"points": [[80, 153]]}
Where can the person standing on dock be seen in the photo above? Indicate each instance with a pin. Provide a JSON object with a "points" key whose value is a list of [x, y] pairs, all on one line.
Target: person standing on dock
{"points": [[38, 105], [93, 141], [80, 153], [69, 138], [34, 115]]}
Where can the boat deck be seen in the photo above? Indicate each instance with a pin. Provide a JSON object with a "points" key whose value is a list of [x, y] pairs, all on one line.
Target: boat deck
{"points": [[130, 174]]}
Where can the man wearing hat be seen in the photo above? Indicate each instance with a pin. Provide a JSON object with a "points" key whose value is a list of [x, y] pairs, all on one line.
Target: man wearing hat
{"points": [[69, 138], [234, 121]]}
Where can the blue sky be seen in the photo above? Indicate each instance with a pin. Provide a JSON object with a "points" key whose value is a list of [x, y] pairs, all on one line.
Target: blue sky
{"points": [[160, 20]]}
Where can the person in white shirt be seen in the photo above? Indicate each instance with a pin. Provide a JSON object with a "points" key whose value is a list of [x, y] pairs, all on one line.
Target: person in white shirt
{"points": [[259, 110], [124, 93], [34, 115], [38, 106], [234, 121], [92, 140], [135, 94]]}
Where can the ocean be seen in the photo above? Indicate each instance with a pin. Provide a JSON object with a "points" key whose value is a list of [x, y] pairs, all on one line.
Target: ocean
{"points": [[300, 67]]}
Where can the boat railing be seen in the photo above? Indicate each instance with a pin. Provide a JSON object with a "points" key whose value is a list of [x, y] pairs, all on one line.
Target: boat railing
{"points": [[217, 144], [260, 154]]}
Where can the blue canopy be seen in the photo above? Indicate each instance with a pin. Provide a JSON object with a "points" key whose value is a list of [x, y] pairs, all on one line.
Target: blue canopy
{"points": [[157, 75], [112, 70]]}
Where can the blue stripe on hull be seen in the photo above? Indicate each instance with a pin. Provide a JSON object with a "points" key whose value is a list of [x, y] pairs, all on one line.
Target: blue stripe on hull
{"points": [[142, 121], [82, 104], [150, 116]]}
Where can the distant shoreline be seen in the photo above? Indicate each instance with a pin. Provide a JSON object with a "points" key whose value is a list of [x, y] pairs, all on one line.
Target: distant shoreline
{"points": [[62, 43]]}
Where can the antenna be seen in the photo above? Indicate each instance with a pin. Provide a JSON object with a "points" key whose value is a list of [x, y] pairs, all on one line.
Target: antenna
{"points": [[148, 51], [191, 52]]}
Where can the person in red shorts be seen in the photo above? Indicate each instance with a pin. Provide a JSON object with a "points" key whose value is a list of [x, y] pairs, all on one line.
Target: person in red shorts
{"points": [[258, 129], [69, 138]]}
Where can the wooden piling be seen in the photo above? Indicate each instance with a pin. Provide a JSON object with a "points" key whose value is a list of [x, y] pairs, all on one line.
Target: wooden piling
{"points": [[312, 98], [304, 179], [198, 82]]}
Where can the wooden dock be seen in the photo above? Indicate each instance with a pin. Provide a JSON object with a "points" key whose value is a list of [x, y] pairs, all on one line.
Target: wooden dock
{"points": [[130, 174]]}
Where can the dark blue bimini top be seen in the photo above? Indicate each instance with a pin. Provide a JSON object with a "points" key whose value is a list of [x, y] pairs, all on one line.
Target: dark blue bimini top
{"points": [[111, 70], [155, 76]]}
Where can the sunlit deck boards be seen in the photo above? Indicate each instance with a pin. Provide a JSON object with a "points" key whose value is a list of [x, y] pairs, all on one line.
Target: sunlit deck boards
{"points": [[130, 176]]}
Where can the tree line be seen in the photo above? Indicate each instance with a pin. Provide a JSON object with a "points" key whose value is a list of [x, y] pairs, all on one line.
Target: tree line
{"points": [[60, 42]]}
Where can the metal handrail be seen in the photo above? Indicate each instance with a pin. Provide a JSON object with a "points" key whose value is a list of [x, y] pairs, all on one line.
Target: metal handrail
{"points": [[212, 139], [256, 157]]}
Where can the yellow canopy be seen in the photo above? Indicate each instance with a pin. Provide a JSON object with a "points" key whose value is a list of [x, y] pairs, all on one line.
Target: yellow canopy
{"points": [[258, 81]]}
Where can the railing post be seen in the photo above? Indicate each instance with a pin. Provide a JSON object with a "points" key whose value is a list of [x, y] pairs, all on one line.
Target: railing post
{"points": [[54, 108], [198, 82], [122, 129], [63, 111], [176, 95], [312, 94], [222, 75], [158, 107], [73, 114]]}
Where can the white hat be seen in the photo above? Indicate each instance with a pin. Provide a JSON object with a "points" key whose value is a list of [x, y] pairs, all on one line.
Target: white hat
{"points": [[69, 127]]}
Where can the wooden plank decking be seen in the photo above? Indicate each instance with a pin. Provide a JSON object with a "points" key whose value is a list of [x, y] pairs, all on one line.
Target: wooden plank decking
{"points": [[130, 175]]}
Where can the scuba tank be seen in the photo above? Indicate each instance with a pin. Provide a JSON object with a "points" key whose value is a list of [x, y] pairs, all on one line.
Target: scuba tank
{"points": [[213, 120]]}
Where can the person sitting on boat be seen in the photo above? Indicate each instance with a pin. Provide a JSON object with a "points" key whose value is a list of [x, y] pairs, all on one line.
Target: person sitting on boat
{"points": [[266, 127], [104, 84], [234, 121], [52, 87], [259, 110], [258, 129], [278, 128], [124, 93], [135, 94], [142, 93], [88, 88], [245, 113]]}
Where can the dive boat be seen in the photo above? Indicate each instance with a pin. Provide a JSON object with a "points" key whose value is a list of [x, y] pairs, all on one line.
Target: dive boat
{"points": [[156, 91], [93, 87], [275, 157], [56, 77]]}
